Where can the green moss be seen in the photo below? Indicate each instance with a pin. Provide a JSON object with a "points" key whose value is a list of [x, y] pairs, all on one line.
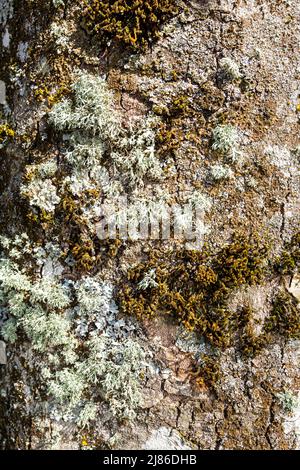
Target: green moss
{"points": [[180, 106], [170, 133], [168, 138], [289, 261], [86, 250], [252, 344], [83, 253], [43, 93], [132, 23], [193, 287]]}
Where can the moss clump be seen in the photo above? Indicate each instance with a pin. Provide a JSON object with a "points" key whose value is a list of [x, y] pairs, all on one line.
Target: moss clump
{"points": [[170, 135], [131, 22], [289, 261], [168, 138], [251, 345], [193, 287], [43, 93], [6, 133], [285, 316]]}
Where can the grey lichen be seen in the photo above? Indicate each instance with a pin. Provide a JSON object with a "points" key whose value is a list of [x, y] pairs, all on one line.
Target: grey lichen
{"points": [[118, 367], [95, 126], [92, 111], [60, 35]]}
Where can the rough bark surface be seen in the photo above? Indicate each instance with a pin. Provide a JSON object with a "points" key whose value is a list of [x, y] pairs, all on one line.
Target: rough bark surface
{"points": [[241, 410]]}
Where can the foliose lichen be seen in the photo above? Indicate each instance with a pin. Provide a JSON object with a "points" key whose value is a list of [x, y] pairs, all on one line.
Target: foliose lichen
{"points": [[74, 360]]}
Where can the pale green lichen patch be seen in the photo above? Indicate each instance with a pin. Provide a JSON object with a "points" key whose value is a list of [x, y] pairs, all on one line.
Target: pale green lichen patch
{"points": [[226, 141], [288, 401], [76, 368], [230, 68]]}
